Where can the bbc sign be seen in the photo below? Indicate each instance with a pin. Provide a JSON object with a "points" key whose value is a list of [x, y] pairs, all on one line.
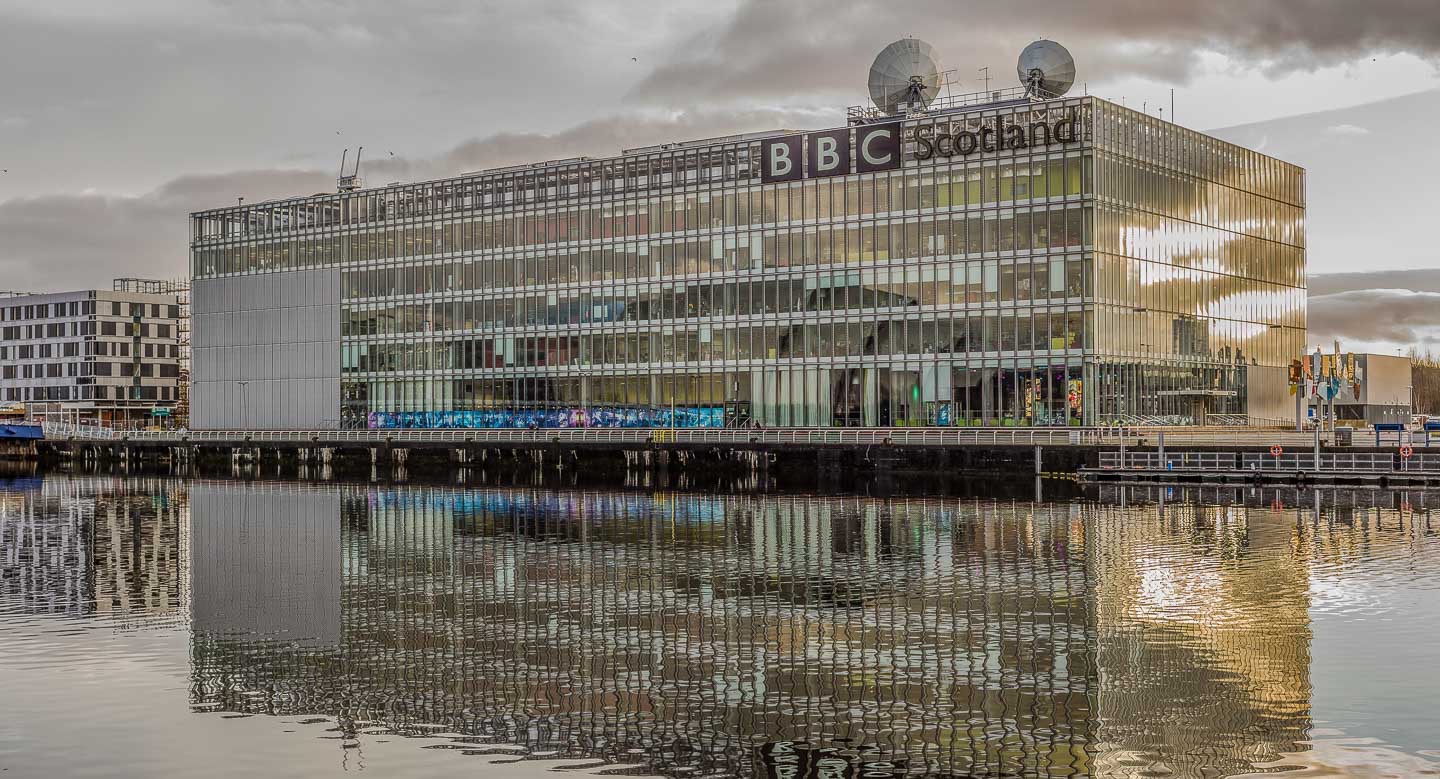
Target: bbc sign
{"points": [[864, 149]]}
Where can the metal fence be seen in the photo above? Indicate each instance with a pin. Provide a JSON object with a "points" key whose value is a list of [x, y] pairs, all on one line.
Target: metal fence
{"points": [[1354, 462], [1129, 437], [786, 436]]}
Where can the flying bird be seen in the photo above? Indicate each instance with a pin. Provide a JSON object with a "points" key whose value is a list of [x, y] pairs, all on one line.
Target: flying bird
{"points": [[632, 59]]}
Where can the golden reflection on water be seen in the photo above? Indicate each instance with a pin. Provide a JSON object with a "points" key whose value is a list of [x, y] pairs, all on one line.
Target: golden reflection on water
{"points": [[784, 635]]}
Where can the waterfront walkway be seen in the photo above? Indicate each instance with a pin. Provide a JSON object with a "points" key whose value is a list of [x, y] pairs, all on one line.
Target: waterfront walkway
{"points": [[1110, 453], [1104, 437]]}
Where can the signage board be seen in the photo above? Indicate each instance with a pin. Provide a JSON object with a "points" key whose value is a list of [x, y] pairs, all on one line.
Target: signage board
{"points": [[863, 149], [870, 148]]}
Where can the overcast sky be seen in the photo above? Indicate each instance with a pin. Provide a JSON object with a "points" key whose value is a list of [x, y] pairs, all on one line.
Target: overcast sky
{"points": [[116, 119]]}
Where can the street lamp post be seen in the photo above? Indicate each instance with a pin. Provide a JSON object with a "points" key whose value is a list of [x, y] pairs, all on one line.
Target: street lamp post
{"points": [[244, 407]]}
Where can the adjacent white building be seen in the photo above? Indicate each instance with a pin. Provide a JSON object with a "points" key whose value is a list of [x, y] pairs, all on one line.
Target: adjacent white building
{"points": [[91, 355]]}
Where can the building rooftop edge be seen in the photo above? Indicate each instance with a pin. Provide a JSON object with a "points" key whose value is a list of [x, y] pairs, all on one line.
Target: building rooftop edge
{"points": [[8, 299], [736, 138]]}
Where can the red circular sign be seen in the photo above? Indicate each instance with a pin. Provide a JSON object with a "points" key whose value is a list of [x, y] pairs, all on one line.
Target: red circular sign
{"points": [[1406, 451], [1276, 450]]}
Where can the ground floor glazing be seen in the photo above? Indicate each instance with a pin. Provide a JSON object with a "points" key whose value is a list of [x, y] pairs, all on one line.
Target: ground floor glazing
{"points": [[1069, 391]]}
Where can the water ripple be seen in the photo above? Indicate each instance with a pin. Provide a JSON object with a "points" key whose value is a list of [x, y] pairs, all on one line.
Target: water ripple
{"points": [[178, 628]]}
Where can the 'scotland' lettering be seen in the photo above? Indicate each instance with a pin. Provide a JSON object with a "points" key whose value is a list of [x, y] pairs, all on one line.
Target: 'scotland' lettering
{"points": [[995, 137]]}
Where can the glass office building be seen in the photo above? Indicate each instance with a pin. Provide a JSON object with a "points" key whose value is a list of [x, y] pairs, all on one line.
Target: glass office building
{"points": [[1017, 262]]}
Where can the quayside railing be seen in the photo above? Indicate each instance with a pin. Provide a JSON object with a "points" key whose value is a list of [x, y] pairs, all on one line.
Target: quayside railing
{"points": [[1214, 462], [1104, 437], [719, 436]]}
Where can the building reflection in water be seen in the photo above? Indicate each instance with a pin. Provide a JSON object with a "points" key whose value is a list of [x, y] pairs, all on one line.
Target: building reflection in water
{"points": [[939, 636], [1146, 635], [266, 561], [1201, 618], [798, 635], [95, 546]]}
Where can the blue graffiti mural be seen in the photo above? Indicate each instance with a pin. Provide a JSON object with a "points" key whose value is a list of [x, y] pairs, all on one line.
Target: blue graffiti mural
{"points": [[567, 507], [705, 416]]}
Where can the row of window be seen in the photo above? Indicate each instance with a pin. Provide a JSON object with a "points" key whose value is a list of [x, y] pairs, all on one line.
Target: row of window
{"points": [[1176, 242], [1166, 336], [820, 200], [45, 351], [59, 370], [853, 244], [1136, 134], [77, 329], [1039, 330], [40, 351], [86, 308], [1023, 391], [1194, 292], [1153, 188], [990, 231], [941, 284], [1009, 392], [90, 392]]}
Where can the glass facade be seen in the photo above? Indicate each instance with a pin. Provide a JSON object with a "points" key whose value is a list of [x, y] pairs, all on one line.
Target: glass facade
{"points": [[1140, 271], [1199, 262]]}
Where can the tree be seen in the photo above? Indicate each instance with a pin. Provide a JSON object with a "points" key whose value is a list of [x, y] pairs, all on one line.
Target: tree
{"points": [[1425, 382]]}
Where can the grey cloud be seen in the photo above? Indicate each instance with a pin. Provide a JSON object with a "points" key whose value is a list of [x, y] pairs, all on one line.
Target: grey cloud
{"points": [[1397, 316], [598, 138], [78, 241], [778, 49], [1421, 280], [124, 96], [55, 242], [1390, 309]]}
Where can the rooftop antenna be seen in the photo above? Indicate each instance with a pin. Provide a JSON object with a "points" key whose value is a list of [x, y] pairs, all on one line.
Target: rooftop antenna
{"points": [[905, 77], [1046, 69], [985, 73], [946, 81]]}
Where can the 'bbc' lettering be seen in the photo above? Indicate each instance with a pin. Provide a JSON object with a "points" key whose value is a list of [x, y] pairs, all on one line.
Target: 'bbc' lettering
{"points": [[782, 159], [863, 149]]}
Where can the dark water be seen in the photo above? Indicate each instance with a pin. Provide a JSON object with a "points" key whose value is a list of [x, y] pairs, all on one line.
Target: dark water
{"points": [[156, 627]]}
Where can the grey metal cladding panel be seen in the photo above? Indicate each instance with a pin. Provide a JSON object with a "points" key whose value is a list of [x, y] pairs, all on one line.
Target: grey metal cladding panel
{"points": [[267, 564], [280, 331], [290, 291], [331, 362], [205, 404], [205, 295]]}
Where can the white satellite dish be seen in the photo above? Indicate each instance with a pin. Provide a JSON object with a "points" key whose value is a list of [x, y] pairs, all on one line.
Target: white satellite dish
{"points": [[906, 74], [1046, 69]]}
